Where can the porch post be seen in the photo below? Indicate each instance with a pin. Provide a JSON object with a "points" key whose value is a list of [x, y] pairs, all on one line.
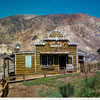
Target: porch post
{"points": [[15, 65], [8, 66], [4, 67], [77, 60], [35, 59], [72, 61]]}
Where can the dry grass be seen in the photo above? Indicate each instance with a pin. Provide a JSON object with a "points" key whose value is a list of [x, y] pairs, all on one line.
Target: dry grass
{"points": [[20, 90], [35, 89]]}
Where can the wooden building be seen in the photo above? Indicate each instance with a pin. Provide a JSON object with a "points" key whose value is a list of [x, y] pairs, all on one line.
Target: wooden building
{"points": [[81, 60], [99, 54], [54, 53]]}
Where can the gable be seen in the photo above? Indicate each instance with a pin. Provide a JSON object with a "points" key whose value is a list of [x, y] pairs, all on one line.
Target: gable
{"points": [[55, 34]]}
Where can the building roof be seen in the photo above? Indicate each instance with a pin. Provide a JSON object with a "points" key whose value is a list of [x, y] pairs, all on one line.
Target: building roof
{"points": [[98, 50], [3, 56], [54, 52], [23, 52], [41, 43], [81, 54], [57, 36], [55, 39], [72, 43]]}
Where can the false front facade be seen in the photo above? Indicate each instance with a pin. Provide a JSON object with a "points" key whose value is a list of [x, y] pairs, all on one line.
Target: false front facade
{"points": [[56, 53]]}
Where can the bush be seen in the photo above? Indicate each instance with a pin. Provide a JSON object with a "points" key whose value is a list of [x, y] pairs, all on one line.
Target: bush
{"points": [[49, 93], [67, 90], [90, 86]]}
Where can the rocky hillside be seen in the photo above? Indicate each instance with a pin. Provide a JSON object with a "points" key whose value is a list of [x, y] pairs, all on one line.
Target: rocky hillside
{"points": [[27, 29]]}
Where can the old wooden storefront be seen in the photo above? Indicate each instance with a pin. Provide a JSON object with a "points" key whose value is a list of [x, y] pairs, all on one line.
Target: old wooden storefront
{"points": [[54, 53]]}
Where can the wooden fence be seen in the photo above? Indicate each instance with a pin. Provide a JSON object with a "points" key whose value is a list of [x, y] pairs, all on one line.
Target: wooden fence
{"points": [[87, 67], [90, 67], [5, 87]]}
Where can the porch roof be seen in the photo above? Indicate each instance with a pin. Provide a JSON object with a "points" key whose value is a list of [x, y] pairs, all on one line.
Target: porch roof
{"points": [[54, 52]]}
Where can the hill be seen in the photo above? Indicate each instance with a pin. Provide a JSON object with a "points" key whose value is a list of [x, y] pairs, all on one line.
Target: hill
{"points": [[28, 29]]}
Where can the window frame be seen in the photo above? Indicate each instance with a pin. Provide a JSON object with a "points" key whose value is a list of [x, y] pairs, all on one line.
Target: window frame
{"points": [[47, 60], [28, 61]]}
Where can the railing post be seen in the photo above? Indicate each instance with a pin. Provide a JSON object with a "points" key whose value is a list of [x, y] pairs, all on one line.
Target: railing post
{"points": [[24, 76], [45, 74], [64, 70]]}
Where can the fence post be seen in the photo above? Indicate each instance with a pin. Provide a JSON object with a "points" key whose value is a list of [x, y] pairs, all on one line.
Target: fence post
{"points": [[45, 74], [64, 71], [4, 91]]}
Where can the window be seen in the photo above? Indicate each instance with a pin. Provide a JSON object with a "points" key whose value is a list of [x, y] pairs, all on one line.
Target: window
{"points": [[50, 60], [47, 60], [28, 63], [44, 60]]}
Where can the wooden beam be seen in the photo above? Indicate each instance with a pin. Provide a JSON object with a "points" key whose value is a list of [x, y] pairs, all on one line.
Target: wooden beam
{"points": [[8, 66], [4, 67]]}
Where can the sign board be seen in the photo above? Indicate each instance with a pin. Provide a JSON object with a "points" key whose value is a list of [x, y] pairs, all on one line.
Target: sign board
{"points": [[28, 63], [56, 44]]}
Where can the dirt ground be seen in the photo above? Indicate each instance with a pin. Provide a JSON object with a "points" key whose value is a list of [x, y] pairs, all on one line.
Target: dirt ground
{"points": [[20, 90]]}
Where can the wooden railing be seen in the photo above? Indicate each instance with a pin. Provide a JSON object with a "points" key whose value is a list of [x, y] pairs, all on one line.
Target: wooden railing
{"points": [[42, 74], [5, 88], [90, 67], [84, 68]]}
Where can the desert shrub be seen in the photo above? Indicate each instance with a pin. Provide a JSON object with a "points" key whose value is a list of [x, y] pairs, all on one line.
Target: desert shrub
{"points": [[49, 93], [67, 90], [90, 86]]}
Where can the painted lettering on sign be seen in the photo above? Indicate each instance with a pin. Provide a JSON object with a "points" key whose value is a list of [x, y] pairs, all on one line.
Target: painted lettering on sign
{"points": [[56, 44], [28, 63]]}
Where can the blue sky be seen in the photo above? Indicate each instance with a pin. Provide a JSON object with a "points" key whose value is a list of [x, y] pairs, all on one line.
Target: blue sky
{"points": [[44, 7]]}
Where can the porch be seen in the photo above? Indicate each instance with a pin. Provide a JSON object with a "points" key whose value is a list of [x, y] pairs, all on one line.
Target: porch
{"points": [[61, 60]]}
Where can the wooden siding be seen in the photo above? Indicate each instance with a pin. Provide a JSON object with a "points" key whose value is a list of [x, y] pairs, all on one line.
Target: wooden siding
{"points": [[20, 64], [65, 48]]}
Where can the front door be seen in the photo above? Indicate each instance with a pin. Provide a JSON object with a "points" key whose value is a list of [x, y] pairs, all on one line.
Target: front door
{"points": [[62, 62]]}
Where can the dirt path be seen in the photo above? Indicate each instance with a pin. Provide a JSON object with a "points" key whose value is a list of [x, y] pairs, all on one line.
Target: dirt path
{"points": [[20, 90]]}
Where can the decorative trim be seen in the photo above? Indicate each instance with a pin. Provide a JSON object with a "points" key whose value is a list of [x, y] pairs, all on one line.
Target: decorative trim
{"points": [[35, 60], [72, 43], [54, 52], [22, 52], [42, 43], [55, 31], [55, 39]]}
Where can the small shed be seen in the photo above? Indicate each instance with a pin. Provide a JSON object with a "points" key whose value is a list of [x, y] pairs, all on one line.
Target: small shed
{"points": [[24, 63], [8, 64]]}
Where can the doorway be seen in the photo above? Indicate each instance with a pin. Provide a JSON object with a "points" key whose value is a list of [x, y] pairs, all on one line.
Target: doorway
{"points": [[62, 62]]}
